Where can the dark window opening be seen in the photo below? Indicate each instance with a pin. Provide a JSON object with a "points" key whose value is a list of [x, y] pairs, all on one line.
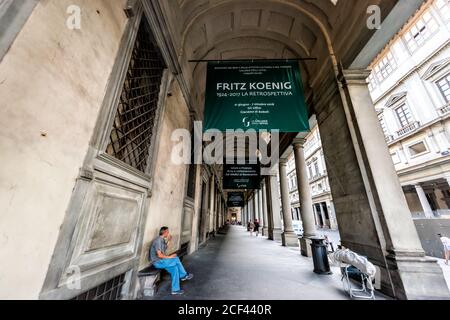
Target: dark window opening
{"points": [[192, 171], [110, 290], [135, 117]]}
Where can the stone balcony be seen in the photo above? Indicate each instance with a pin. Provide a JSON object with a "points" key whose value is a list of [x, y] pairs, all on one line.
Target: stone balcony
{"points": [[389, 138], [445, 109], [408, 129]]}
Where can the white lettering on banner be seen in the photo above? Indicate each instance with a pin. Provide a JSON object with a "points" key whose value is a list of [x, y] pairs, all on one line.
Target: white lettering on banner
{"points": [[236, 86]]}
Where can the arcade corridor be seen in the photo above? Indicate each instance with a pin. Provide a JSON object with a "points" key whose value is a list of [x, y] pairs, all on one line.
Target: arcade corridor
{"points": [[237, 266], [105, 105]]}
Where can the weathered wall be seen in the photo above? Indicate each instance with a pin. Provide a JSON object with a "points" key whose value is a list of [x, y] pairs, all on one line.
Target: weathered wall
{"points": [[52, 83], [166, 203]]}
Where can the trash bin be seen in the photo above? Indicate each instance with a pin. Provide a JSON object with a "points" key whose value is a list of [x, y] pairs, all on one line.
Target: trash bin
{"points": [[320, 257]]}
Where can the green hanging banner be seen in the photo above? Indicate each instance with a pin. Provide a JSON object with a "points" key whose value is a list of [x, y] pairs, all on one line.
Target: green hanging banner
{"points": [[235, 200], [264, 95]]}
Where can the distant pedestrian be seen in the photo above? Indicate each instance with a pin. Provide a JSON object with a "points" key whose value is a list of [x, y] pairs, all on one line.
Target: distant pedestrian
{"points": [[256, 227], [251, 227], [446, 243]]}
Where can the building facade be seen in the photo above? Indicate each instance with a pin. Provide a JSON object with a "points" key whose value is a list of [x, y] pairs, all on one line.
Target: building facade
{"points": [[410, 87]]}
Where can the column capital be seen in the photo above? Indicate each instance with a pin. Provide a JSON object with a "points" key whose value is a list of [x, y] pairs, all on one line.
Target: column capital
{"points": [[299, 142], [283, 162], [354, 76], [271, 173]]}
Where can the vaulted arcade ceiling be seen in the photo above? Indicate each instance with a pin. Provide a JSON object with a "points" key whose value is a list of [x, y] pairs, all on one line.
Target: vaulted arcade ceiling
{"points": [[273, 29]]}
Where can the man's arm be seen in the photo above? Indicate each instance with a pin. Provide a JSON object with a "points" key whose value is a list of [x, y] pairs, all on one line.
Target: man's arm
{"points": [[161, 255]]}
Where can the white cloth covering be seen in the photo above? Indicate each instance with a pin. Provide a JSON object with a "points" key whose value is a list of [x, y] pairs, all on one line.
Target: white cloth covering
{"points": [[349, 257]]}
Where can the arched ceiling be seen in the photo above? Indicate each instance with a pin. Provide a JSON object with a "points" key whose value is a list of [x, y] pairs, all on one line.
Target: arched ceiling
{"points": [[328, 30], [266, 29]]}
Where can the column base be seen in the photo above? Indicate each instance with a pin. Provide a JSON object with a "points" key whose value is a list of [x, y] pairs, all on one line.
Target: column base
{"points": [[265, 232], [305, 247], [416, 277], [270, 234], [277, 235], [289, 239]]}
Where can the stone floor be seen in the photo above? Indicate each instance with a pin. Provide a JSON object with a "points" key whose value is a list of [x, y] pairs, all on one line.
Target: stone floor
{"points": [[239, 267]]}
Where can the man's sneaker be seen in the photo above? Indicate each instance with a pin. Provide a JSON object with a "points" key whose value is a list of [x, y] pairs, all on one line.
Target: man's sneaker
{"points": [[177, 293], [189, 276]]}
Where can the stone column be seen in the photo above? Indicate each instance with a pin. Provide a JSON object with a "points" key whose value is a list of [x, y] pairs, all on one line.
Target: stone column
{"points": [[261, 210], [403, 256], [254, 207], [264, 209], [424, 201], [289, 238], [273, 204], [304, 191], [212, 187]]}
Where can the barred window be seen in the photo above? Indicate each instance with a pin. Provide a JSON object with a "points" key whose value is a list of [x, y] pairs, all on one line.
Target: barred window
{"points": [[133, 125], [192, 171], [110, 290]]}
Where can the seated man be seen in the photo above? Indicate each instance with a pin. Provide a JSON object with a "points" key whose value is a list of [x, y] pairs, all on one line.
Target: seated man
{"points": [[170, 263]]}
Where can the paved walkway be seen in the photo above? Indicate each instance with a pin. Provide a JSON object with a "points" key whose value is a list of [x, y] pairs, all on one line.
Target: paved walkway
{"points": [[239, 267]]}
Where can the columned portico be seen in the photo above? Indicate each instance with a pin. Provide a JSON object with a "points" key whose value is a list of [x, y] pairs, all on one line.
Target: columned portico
{"points": [[306, 205], [424, 201], [397, 239], [289, 238]]}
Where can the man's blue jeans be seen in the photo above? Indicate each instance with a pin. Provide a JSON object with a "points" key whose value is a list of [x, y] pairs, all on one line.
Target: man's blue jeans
{"points": [[175, 268]]}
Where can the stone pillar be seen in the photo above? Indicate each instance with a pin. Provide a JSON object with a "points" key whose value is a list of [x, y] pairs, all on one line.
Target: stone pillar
{"points": [[212, 187], [273, 203], [322, 214], [424, 201], [405, 271], [289, 238], [254, 207], [316, 222], [261, 210], [304, 191], [264, 209]]}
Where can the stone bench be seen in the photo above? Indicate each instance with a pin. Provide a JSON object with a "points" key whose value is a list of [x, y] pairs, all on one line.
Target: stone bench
{"points": [[149, 277]]}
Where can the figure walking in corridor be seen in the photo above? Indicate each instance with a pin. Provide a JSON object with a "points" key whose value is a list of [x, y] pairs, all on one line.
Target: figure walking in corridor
{"points": [[256, 228], [446, 243], [251, 226], [171, 263]]}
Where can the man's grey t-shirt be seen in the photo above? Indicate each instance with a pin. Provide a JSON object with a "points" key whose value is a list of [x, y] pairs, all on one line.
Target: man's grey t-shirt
{"points": [[158, 244]]}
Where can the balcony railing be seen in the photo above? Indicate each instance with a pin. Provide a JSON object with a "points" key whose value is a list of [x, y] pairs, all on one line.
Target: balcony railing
{"points": [[445, 109], [389, 138], [408, 129]]}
